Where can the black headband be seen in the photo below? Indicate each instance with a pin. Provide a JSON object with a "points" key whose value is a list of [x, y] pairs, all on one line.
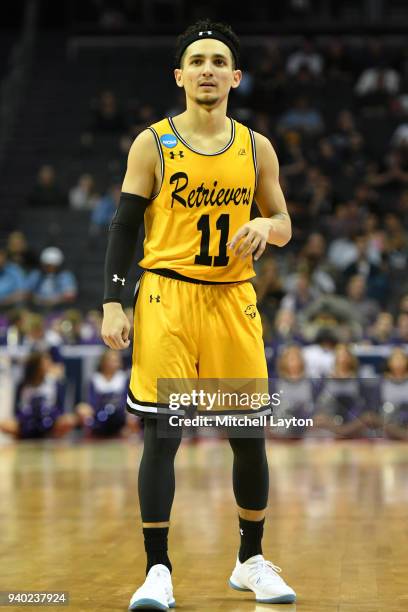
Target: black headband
{"points": [[208, 34]]}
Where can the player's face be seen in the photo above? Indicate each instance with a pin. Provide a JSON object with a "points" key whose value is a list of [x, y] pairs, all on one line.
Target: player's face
{"points": [[207, 73]]}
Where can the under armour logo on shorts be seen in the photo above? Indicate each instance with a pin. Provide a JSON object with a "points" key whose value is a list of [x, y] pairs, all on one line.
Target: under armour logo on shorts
{"points": [[117, 278], [155, 298]]}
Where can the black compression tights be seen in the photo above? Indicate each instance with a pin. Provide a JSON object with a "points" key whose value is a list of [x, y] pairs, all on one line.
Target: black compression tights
{"points": [[157, 482]]}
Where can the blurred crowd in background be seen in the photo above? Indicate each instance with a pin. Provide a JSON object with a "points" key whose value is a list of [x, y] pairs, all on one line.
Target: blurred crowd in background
{"points": [[337, 115]]}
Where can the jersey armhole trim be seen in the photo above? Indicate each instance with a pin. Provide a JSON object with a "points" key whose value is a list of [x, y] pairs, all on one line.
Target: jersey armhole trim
{"points": [[254, 156], [161, 161]]}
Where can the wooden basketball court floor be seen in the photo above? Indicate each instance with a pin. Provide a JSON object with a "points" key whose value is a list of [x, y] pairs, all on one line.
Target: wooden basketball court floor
{"points": [[337, 524]]}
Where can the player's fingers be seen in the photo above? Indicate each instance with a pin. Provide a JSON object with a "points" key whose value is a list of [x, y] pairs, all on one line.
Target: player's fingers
{"points": [[115, 341], [245, 244], [237, 237], [252, 247], [260, 249]]}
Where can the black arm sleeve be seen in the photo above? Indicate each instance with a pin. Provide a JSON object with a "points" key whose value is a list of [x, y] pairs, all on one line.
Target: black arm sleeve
{"points": [[121, 247]]}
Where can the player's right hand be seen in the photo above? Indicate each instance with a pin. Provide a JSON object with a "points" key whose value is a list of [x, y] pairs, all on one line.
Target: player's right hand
{"points": [[115, 326]]}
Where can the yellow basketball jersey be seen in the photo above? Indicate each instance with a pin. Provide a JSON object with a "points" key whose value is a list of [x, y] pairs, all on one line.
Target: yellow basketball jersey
{"points": [[203, 200]]}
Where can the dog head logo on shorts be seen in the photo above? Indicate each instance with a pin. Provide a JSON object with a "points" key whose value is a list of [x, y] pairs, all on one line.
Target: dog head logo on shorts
{"points": [[250, 311], [168, 140]]}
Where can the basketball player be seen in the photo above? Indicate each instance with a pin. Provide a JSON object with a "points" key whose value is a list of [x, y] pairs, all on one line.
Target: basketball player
{"points": [[191, 179]]}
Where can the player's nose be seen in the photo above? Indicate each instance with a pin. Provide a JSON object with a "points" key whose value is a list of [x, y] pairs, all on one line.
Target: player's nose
{"points": [[207, 68]]}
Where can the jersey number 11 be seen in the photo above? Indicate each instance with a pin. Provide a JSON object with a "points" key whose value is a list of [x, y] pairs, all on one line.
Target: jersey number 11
{"points": [[204, 258]]}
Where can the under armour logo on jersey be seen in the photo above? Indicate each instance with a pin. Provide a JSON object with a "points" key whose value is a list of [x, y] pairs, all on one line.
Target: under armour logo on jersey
{"points": [[209, 32], [241, 531], [242, 152], [154, 298], [179, 153], [117, 278]]}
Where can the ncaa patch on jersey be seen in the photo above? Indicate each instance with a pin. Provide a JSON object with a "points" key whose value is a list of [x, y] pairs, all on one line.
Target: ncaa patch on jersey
{"points": [[168, 140]]}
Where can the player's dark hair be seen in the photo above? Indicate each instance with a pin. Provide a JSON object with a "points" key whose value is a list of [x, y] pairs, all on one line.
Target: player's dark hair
{"points": [[204, 25]]}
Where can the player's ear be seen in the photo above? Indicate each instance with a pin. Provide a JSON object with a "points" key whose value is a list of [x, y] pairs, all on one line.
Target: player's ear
{"points": [[236, 78], [178, 75]]}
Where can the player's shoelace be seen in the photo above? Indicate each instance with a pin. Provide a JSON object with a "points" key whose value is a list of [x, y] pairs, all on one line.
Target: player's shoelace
{"points": [[265, 571]]}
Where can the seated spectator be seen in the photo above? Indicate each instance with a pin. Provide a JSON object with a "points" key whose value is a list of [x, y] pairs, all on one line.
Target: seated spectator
{"points": [[82, 196], [319, 357], [51, 287], [47, 192], [378, 78], [104, 414], [305, 56], [302, 117], [341, 401], [312, 261], [365, 309], [12, 282], [302, 294], [394, 396], [382, 330], [286, 329], [107, 116], [401, 336], [17, 324], [365, 265], [40, 338], [268, 286], [39, 404], [20, 253], [104, 210], [295, 390]]}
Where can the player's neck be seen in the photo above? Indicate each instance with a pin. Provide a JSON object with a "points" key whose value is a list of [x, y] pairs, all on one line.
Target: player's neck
{"points": [[203, 122]]}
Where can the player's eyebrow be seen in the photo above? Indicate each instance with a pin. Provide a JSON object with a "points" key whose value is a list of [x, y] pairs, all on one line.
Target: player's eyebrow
{"points": [[200, 55]]}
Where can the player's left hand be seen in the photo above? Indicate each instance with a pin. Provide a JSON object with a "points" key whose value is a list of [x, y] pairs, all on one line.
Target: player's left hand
{"points": [[251, 238]]}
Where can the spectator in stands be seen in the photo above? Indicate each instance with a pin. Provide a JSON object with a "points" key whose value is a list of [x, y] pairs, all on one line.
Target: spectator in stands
{"points": [[39, 405], [380, 78], [305, 56], [51, 287], [319, 357], [83, 196], [47, 192], [312, 261], [341, 401], [269, 287], [16, 321], [394, 396], [104, 413], [12, 282], [42, 338], [286, 329], [401, 336], [301, 295], [382, 331], [107, 116], [365, 309], [330, 312], [295, 390], [302, 117], [20, 253], [363, 265], [400, 136], [104, 210], [343, 132], [336, 59]]}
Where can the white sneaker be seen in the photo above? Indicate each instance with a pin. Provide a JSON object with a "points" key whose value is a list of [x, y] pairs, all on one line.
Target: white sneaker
{"points": [[261, 577], [156, 593]]}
